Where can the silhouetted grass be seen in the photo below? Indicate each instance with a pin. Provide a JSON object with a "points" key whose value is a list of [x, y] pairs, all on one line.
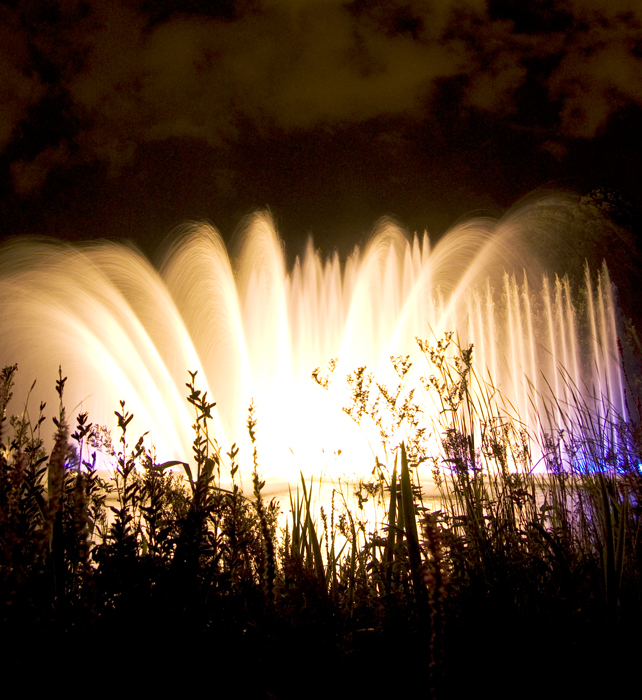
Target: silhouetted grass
{"points": [[519, 570]]}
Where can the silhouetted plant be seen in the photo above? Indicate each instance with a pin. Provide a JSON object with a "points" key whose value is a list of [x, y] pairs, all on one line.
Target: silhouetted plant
{"points": [[507, 549]]}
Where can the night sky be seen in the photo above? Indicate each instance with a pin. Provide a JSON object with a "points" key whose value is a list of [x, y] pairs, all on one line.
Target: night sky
{"points": [[123, 119]]}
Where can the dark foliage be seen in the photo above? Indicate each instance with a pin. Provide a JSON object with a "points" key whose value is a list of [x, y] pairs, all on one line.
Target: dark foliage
{"points": [[165, 578]]}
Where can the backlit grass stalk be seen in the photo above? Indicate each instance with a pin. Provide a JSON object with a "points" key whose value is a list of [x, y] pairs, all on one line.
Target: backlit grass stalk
{"points": [[410, 530], [601, 456], [306, 543], [55, 493], [267, 573]]}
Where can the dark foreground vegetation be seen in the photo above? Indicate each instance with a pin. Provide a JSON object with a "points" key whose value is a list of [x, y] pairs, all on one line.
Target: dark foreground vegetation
{"points": [[519, 584]]}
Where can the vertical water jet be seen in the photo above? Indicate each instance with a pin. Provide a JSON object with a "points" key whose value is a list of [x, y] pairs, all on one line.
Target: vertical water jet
{"points": [[254, 331]]}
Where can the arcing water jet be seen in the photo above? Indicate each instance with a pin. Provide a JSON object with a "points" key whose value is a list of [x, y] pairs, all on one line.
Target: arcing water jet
{"points": [[254, 331]]}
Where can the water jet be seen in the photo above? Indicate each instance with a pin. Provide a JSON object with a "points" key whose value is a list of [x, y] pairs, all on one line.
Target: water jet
{"points": [[254, 330]]}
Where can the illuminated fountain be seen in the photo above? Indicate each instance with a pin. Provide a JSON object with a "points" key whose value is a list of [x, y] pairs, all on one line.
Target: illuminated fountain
{"points": [[254, 331]]}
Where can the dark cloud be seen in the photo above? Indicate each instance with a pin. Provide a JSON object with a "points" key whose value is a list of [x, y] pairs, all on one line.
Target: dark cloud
{"points": [[20, 87], [105, 83], [291, 65], [600, 72], [30, 175]]}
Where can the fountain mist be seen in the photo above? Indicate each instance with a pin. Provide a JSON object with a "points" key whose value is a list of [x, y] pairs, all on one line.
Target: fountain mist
{"points": [[253, 330]]}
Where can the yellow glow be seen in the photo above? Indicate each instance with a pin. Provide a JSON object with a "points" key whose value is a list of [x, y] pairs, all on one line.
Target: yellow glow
{"points": [[255, 332]]}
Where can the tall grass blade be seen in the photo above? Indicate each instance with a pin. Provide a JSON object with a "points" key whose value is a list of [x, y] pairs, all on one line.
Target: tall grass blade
{"points": [[317, 556], [389, 554], [410, 527]]}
